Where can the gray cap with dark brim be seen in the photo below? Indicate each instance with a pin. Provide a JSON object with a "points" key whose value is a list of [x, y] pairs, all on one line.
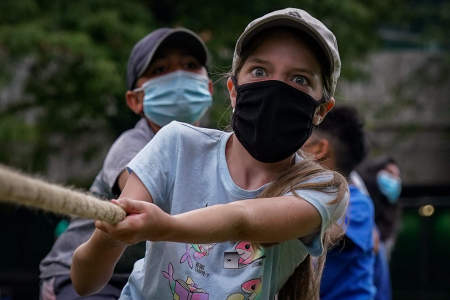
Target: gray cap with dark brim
{"points": [[143, 52], [303, 21]]}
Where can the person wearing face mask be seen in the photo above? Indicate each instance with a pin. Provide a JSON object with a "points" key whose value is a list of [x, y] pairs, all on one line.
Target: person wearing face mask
{"points": [[234, 215], [381, 177], [166, 80], [339, 144]]}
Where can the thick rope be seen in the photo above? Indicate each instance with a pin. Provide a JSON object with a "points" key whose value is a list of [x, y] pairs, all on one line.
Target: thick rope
{"points": [[20, 189]]}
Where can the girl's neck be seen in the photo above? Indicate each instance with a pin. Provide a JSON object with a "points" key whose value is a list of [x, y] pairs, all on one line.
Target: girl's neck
{"points": [[247, 172]]}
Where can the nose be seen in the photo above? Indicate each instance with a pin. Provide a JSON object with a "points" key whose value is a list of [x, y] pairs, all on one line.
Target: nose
{"points": [[174, 67], [278, 76]]}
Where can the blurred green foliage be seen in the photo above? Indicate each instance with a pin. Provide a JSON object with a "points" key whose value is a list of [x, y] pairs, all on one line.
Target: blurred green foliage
{"points": [[74, 54], [67, 60]]}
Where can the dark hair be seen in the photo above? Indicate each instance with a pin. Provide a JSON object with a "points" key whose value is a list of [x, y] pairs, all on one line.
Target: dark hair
{"points": [[344, 129], [376, 164]]}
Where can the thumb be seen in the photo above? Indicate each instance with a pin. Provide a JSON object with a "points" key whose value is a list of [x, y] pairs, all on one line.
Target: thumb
{"points": [[130, 206]]}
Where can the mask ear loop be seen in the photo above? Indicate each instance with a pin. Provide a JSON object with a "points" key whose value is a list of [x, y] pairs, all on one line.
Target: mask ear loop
{"points": [[322, 100], [234, 80]]}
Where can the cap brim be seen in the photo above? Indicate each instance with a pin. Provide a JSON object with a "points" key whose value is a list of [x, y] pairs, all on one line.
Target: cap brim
{"points": [[186, 40]]}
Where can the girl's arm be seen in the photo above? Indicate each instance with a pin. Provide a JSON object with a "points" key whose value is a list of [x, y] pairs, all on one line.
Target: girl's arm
{"points": [[263, 220], [93, 262]]}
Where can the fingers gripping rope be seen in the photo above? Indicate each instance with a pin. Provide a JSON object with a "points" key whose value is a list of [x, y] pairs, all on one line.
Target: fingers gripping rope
{"points": [[20, 189]]}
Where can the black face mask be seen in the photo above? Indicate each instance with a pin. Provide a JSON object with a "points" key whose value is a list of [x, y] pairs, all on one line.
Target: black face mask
{"points": [[272, 119]]}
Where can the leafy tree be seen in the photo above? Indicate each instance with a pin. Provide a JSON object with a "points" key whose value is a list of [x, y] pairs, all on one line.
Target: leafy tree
{"points": [[63, 79], [74, 54]]}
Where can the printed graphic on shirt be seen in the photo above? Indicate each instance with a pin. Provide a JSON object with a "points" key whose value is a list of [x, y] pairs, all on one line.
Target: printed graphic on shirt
{"points": [[198, 251], [246, 253], [199, 268], [251, 288], [184, 290]]}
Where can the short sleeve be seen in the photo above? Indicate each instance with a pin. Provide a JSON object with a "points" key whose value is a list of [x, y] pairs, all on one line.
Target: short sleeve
{"points": [[330, 211], [155, 164]]}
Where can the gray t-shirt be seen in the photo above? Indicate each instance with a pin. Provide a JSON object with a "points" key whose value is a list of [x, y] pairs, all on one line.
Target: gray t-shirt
{"points": [[58, 260], [184, 168]]}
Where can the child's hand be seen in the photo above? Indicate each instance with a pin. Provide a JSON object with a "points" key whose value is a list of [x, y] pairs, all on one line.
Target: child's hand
{"points": [[144, 221]]}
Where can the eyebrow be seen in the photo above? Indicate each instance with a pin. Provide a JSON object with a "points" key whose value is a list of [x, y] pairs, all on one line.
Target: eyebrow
{"points": [[265, 62], [258, 60], [157, 59]]}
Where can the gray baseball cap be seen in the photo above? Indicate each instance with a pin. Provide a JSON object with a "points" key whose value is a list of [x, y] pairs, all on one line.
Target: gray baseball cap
{"points": [[143, 52], [303, 21]]}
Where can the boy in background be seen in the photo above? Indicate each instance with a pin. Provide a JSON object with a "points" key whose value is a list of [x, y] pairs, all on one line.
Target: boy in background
{"points": [[338, 143], [167, 80]]}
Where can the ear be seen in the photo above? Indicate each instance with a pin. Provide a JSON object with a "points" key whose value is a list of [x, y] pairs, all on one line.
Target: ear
{"points": [[210, 87], [322, 111], [135, 101], [318, 147], [231, 92], [323, 149]]}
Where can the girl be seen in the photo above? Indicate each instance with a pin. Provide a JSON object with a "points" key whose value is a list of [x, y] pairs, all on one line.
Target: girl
{"points": [[234, 215]]}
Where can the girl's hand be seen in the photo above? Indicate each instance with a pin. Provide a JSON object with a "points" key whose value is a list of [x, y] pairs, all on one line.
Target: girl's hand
{"points": [[144, 221]]}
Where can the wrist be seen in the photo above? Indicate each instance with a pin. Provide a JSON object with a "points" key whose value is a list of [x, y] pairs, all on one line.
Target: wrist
{"points": [[103, 240], [169, 230]]}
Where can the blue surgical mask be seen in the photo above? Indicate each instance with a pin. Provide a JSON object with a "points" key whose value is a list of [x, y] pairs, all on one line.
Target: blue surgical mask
{"points": [[389, 186], [180, 95]]}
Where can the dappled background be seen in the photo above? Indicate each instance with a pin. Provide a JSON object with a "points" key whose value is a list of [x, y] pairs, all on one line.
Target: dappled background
{"points": [[62, 86]]}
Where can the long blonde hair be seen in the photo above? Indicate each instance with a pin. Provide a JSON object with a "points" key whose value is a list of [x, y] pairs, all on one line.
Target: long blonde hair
{"points": [[304, 283]]}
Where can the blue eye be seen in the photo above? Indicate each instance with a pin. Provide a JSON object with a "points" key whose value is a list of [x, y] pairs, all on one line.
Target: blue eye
{"points": [[258, 72], [301, 80]]}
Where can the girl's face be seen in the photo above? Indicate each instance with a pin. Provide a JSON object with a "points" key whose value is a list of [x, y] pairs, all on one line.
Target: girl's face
{"points": [[282, 56]]}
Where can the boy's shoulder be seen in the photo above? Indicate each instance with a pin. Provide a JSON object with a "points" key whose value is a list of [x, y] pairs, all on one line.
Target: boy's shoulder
{"points": [[360, 219], [358, 197], [134, 138], [140, 132], [126, 146]]}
